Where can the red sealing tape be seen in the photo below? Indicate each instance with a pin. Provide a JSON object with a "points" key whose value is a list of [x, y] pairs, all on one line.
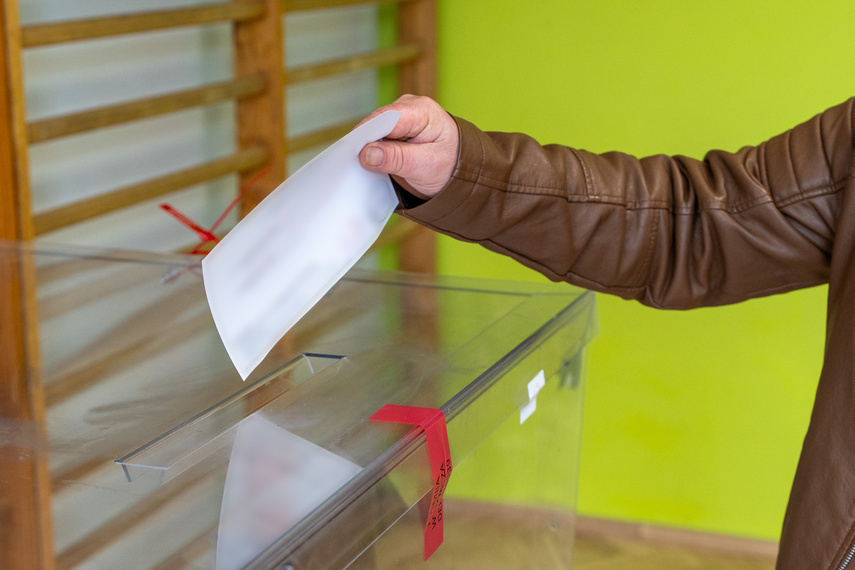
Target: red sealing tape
{"points": [[207, 235], [439, 454]]}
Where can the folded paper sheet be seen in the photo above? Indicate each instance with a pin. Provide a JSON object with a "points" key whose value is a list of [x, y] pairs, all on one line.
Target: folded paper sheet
{"points": [[296, 244]]}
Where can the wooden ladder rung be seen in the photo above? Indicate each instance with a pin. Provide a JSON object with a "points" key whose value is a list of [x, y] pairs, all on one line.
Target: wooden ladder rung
{"points": [[55, 127], [70, 299], [316, 138], [357, 62], [73, 261], [300, 5], [116, 200], [76, 30], [127, 352], [124, 523]]}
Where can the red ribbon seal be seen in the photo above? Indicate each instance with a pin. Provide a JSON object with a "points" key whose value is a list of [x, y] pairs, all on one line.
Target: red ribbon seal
{"points": [[432, 421], [207, 235]]}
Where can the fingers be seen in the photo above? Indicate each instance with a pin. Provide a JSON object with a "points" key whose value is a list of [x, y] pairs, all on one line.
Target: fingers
{"points": [[420, 118], [401, 104], [421, 149], [373, 114], [426, 168]]}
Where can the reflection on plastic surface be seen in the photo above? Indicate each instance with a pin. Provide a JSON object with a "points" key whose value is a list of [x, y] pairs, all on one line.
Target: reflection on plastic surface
{"points": [[132, 368], [275, 478], [293, 247]]}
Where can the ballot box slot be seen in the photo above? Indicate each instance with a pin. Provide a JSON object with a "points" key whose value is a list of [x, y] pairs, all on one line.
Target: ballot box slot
{"points": [[212, 431]]}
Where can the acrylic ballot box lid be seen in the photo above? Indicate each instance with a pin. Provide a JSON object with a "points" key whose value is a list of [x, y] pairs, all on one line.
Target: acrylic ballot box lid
{"points": [[127, 438]]}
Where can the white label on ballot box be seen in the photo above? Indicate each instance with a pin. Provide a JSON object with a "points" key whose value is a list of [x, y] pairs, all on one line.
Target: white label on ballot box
{"points": [[296, 244], [536, 384]]}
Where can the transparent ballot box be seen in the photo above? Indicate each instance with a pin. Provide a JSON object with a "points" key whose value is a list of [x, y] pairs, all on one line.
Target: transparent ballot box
{"points": [[128, 440]]}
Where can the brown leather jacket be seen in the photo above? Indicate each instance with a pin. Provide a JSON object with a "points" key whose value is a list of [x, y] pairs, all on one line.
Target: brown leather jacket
{"points": [[677, 233]]}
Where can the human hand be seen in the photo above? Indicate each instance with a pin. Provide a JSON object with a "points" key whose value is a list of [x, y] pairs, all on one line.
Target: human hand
{"points": [[421, 151]]}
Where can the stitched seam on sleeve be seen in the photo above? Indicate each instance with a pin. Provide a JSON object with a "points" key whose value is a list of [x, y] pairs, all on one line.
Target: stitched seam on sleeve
{"points": [[589, 179], [508, 186], [825, 151], [791, 163], [483, 157], [736, 208], [468, 175], [505, 185], [814, 193], [481, 178], [733, 207], [648, 254], [763, 153]]}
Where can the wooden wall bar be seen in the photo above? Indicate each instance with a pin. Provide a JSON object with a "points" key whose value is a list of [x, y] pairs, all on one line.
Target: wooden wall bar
{"points": [[9, 208], [389, 56], [25, 525], [61, 32], [14, 81], [299, 5], [316, 138], [26, 539], [261, 118], [76, 212], [114, 529], [417, 25], [55, 127]]}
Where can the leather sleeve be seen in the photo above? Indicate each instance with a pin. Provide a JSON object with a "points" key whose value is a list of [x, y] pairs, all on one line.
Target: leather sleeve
{"points": [[671, 232]]}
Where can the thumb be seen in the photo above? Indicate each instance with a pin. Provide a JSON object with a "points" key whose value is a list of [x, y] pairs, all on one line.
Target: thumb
{"points": [[425, 167], [385, 156]]}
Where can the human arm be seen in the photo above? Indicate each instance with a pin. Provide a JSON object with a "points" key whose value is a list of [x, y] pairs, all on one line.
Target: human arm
{"points": [[671, 232]]}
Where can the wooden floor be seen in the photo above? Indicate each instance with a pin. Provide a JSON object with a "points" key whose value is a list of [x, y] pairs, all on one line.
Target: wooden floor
{"points": [[601, 553], [479, 536]]}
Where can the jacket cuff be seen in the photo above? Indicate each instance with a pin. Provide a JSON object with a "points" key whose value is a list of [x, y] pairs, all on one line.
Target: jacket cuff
{"points": [[406, 200], [470, 157]]}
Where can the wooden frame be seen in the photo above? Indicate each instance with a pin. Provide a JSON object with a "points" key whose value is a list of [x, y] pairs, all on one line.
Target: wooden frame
{"points": [[258, 88], [26, 539]]}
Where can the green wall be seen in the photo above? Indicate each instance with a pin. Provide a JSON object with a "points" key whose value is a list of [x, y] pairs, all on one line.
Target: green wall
{"points": [[693, 419]]}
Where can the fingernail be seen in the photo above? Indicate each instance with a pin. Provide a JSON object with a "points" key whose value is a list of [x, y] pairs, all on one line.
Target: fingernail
{"points": [[374, 156]]}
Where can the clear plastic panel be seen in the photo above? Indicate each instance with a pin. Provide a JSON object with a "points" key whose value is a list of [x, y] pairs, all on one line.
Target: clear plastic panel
{"points": [[142, 409], [214, 429]]}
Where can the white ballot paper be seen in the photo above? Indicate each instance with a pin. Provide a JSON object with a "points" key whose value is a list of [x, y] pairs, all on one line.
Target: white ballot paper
{"points": [[275, 479], [296, 244]]}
